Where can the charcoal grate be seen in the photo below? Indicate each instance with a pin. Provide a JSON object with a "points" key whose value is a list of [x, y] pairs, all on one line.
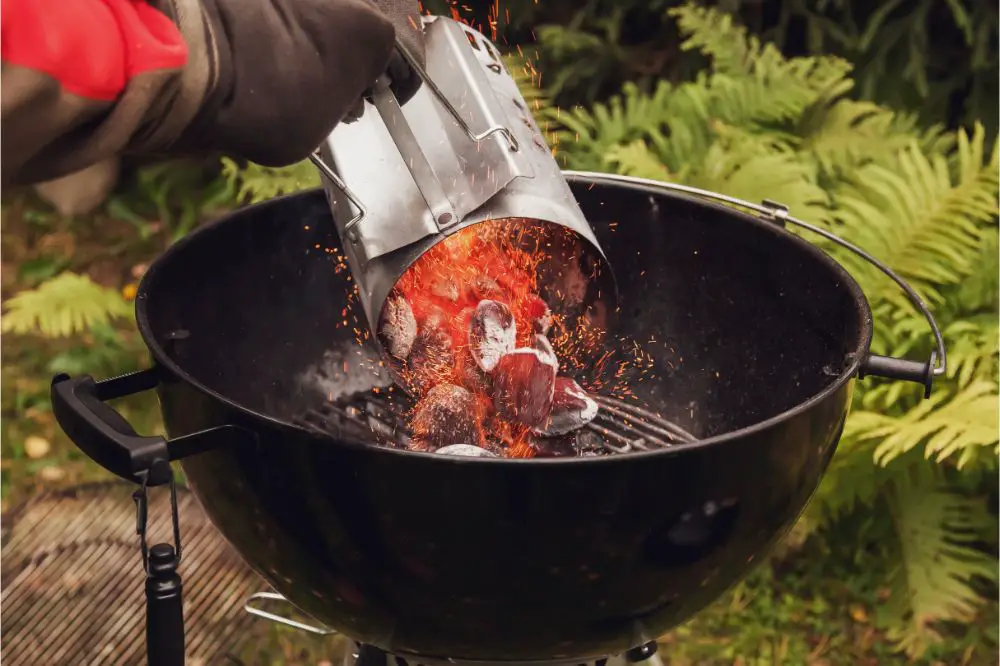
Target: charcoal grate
{"points": [[620, 427]]}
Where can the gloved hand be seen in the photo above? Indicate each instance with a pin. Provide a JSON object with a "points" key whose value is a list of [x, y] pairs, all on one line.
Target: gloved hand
{"points": [[405, 18], [265, 80]]}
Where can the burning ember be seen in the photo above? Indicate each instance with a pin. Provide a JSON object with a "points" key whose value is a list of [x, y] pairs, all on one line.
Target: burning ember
{"points": [[471, 337]]}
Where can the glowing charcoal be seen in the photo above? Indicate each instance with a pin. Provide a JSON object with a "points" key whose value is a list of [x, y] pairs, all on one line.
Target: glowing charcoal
{"points": [[432, 358], [540, 315], [446, 288], [447, 415], [492, 333], [465, 450], [398, 327], [486, 288], [523, 385], [571, 409], [541, 344], [484, 325]]}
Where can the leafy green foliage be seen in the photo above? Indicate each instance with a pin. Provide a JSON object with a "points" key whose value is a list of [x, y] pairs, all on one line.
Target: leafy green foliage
{"points": [[908, 54], [923, 221], [106, 351], [175, 194], [934, 526], [67, 304], [936, 57], [949, 426], [759, 125], [256, 183]]}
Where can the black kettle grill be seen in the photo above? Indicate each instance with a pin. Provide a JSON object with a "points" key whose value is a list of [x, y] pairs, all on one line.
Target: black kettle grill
{"points": [[756, 339]]}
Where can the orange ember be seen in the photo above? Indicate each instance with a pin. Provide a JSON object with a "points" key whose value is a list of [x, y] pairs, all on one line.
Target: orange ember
{"points": [[443, 288], [467, 333], [476, 263]]}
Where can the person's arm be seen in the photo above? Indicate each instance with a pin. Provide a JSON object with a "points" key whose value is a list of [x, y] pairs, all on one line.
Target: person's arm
{"points": [[265, 80]]}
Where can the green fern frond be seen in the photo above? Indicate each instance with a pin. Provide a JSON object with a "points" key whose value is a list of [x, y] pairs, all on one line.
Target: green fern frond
{"points": [[980, 291], [973, 164], [755, 169], [756, 80], [585, 136], [846, 134], [733, 50], [717, 35], [937, 532], [779, 98], [65, 305], [739, 165], [684, 129], [955, 427], [636, 159], [587, 59], [528, 79], [256, 183], [973, 349], [918, 220], [850, 481]]}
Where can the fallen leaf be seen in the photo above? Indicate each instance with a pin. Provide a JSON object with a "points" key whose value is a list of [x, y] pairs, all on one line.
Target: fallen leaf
{"points": [[52, 474], [859, 614], [61, 243], [36, 447]]}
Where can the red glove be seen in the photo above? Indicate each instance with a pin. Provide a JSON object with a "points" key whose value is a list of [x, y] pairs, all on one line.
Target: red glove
{"points": [[264, 80]]}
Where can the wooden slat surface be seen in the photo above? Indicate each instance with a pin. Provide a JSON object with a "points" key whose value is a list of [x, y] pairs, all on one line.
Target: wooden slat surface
{"points": [[72, 580]]}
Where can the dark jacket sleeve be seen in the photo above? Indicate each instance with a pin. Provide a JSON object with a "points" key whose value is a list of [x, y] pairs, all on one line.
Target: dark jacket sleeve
{"points": [[79, 78], [265, 80]]}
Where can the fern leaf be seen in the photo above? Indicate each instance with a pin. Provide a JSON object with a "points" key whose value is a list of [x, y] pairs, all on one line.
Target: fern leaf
{"points": [[846, 134], [954, 427], [716, 35], [586, 136], [755, 170], [851, 480], [65, 305], [755, 82], [636, 159], [980, 291], [937, 531], [918, 220], [586, 60], [256, 183], [973, 349]]}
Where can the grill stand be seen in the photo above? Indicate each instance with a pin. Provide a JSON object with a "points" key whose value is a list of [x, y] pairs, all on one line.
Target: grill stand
{"points": [[367, 655]]}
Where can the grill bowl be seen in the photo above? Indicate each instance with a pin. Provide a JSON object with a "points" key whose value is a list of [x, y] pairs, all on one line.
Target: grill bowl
{"points": [[756, 337]]}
